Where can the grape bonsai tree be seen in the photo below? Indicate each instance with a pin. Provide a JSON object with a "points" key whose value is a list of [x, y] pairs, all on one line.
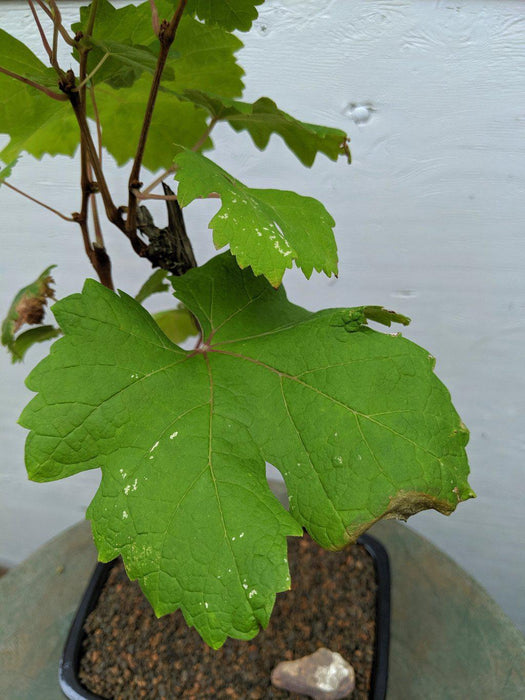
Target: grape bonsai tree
{"points": [[354, 419]]}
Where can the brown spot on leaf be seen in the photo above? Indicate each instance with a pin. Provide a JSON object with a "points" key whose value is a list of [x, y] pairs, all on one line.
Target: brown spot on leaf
{"points": [[30, 309]]}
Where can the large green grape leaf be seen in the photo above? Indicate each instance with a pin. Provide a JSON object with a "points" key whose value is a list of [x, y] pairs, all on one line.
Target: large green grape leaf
{"points": [[265, 229], [230, 14], [34, 122], [354, 419], [202, 58], [16, 57], [263, 118]]}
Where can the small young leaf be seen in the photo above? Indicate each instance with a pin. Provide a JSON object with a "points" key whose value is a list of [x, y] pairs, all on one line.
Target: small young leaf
{"points": [[353, 319], [28, 308], [357, 423], [153, 285], [265, 229], [263, 118], [7, 170], [176, 324], [230, 14]]}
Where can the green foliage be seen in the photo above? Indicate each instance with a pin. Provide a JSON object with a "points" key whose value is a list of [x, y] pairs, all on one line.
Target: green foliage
{"points": [[203, 59], [120, 64], [357, 423], [35, 123], [354, 419], [155, 284], [266, 229], [17, 58], [28, 307], [263, 118], [230, 14]]}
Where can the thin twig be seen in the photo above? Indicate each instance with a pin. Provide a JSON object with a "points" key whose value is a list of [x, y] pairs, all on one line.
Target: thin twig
{"points": [[154, 17], [158, 180], [37, 201], [166, 197], [96, 252], [47, 91], [99, 65], [200, 143], [63, 31], [166, 37], [112, 211], [169, 197], [91, 19], [173, 168], [54, 60], [43, 37]]}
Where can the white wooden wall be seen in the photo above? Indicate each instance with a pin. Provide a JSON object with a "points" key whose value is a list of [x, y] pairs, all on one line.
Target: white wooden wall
{"points": [[430, 222]]}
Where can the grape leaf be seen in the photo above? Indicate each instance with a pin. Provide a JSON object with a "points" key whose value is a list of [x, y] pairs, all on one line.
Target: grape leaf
{"points": [[124, 39], [263, 118], [230, 14], [356, 422], [118, 109], [34, 122], [203, 58], [28, 307], [266, 229], [16, 57]]}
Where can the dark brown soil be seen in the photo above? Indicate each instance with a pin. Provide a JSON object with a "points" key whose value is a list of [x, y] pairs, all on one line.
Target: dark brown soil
{"points": [[130, 654]]}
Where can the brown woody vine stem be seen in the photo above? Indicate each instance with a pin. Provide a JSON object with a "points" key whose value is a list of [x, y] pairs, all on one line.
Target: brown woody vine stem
{"points": [[167, 32], [43, 37], [69, 40], [96, 251]]}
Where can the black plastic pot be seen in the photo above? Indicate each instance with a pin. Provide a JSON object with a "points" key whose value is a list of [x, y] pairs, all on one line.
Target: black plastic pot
{"points": [[70, 661]]}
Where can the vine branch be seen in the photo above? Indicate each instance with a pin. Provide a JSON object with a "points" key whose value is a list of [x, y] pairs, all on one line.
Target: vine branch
{"points": [[53, 12], [43, 37], [37, 201], [47, 91], [167, 32], [96, 251]]}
